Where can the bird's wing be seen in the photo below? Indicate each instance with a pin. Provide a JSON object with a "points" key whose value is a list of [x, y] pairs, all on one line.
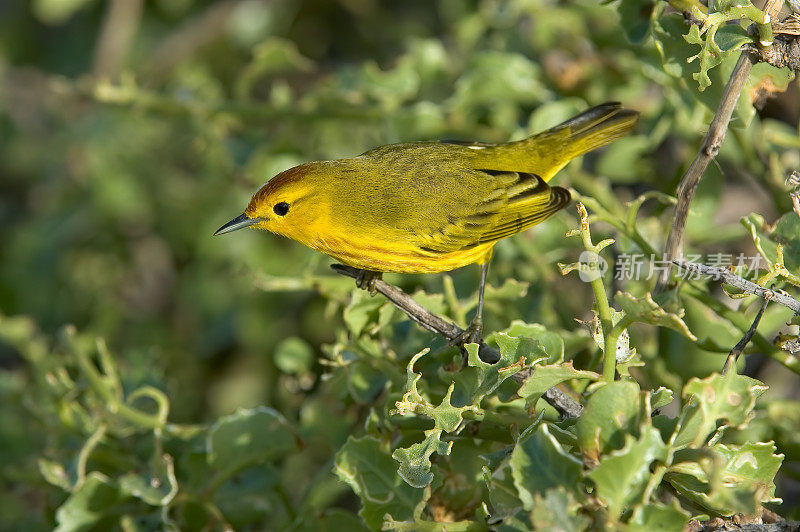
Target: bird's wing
{"points": [[518, 201]]}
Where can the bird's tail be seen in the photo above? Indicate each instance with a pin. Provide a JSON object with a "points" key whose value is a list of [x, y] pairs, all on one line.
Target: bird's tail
{"points": [[546, 153]]}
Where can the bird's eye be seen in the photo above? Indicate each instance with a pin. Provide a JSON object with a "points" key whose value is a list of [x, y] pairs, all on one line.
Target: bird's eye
{"points": [[281, 208]]}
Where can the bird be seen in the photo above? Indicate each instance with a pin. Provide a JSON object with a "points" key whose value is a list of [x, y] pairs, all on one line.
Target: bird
{"points": [[428, 206]]}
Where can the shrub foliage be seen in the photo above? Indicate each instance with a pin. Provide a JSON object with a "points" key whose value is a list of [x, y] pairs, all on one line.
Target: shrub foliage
{"points": [[238, 383]]}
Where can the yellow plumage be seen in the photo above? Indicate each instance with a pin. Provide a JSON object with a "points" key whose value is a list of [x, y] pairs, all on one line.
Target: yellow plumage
{"points": [[427, 207]]}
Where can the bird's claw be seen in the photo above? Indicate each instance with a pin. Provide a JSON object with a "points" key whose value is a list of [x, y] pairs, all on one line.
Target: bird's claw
{"points": [[366, 279], [470, 335]]}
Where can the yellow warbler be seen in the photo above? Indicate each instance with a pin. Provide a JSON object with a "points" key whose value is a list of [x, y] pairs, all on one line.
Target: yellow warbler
{"points": [[424, 207]]}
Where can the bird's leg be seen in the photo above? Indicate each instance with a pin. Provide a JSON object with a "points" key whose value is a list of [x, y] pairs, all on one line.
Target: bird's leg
{"points": [[366, 280], [472, 334]]}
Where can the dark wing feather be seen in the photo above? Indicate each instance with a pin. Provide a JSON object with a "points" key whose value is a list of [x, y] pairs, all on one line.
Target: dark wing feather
{"points": [[515, 220], [518, 201]]}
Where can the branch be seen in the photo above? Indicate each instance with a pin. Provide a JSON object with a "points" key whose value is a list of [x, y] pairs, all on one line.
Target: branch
{"points": [[186, 39], [784, 52], [120, 24], [728, 277], [709, 149], [737, 350], [567, 407]]}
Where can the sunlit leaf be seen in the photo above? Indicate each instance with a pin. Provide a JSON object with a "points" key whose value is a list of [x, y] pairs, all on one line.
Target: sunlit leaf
{"points": [[545, 377], [539, 463], [90, 503], [372, 474], [727, 399], [611, 412], [557, 510], [622, 475], [248, 437], [645, 310], [657, 516]]}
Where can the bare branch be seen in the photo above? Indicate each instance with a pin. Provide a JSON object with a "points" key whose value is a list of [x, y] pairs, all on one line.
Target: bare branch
{"points": [[120, 24], [567, 407], [784, 52], [708, 150], [186, 39], [737, 350], [728, 277]]}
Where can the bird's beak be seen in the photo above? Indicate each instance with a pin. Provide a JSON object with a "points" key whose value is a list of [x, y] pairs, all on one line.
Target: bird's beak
{"points": [[237, 223]]}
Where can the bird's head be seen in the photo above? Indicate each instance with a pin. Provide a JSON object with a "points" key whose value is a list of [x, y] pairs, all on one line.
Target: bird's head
{"points": [[282, 205]]}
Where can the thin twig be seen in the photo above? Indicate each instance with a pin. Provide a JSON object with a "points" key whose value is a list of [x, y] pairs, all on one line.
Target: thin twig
{"points": [[728, 277], [567, 407], [186, 39], [120, 25], [708, 150], [737, 350]]}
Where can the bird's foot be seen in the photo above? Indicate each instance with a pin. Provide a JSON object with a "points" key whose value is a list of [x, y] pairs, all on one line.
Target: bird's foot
{"points": [[470, 335], [366, 279]]}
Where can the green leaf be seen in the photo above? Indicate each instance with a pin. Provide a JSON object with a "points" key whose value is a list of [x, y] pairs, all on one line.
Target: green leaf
{"points": [[658, 517], [539, 463], [496, 75], [661, 397], [389, 87], [248, 437], [57, 11], [668, 31], [503, 496], [336, 520], [557, 510], [446, 416], [510, 289], [425, 525], [362, 311], [611, 412], [626, 355], [787, 232], [415, 464], [731, 37], [415, 461], [91, 502], [372, 474], [545, 377], [271, 56], [623, 160], [727, 399], [709, 55], [622, 476], [551, 342], [645, 310], [364, 382], [55, 474], [480, 379], [726, 479], [294, 355], [157, 488], [753, 463], [635, 18], [515, 347]]}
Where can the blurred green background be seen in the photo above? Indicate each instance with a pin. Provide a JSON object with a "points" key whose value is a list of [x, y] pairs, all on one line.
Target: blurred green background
{"points": [[110, 193], [131, 130]]}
